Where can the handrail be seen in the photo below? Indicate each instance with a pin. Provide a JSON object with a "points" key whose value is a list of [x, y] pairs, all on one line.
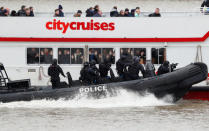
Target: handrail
{"points": [[195, 12]]}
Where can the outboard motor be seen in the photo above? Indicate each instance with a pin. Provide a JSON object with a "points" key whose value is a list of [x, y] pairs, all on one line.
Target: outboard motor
{"points": [[149, 69], [70, 80]]}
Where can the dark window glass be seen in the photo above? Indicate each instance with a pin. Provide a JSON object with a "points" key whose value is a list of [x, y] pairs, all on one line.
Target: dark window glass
{"points": [[76, 56], [140, 52], [128, 51], [108, 54], [32, 55], [46, 55], [64, 55], [95, 54], [158, 55], [162, 55]]}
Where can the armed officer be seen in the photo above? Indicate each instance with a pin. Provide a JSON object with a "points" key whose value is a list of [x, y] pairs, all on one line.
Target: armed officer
{"points": [[54, 71], [132, 70], [104, 68], [164, 68], [85, 78], [94, 74], [120, 64]]}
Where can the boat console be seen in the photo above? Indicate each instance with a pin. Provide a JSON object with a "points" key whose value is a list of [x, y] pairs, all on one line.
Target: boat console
{"points": [[7, 84]]}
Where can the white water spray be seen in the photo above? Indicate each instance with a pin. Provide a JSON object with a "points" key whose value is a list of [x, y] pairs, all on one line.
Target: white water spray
{"points": [[123, 99]]}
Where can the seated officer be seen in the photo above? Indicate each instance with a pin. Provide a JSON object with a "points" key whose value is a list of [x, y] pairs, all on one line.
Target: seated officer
{"points": [[84, 75], [54, 71], [120, 64], [93, 71], [104, 68], [164, 68]]}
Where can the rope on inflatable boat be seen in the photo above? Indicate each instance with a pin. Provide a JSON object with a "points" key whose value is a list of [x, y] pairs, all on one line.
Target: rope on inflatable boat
{"points": [[199, 54], [42, 74], [199, 58]]}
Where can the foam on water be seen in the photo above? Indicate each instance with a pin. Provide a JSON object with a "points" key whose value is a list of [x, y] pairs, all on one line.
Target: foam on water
{"points": [[123, 99]]}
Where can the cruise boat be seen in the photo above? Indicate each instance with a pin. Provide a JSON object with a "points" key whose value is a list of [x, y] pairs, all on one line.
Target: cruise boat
{"points": [[28, 45]]}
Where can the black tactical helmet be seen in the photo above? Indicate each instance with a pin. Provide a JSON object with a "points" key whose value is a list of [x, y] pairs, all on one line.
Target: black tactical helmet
{"points": [[166, 63], [54, 62], [85, 64], [92, 62]]}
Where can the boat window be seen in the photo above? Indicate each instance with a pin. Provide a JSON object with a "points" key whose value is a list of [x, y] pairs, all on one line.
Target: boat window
{"points": [[158, 55], [46, 55], [95, 54], [77, 55], [140, 52], [108, 54], [124, 51], [64, 55], [32, 55]]}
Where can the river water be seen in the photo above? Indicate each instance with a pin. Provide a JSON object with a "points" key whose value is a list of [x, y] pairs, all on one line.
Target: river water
{"points": [[127, 112]]}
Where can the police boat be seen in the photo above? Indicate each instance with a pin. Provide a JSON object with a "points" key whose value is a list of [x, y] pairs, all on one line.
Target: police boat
{"points": [[176, 84]]}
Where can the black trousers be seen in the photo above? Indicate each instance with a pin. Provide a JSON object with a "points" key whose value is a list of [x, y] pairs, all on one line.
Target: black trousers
{"points": [[55, 84]]}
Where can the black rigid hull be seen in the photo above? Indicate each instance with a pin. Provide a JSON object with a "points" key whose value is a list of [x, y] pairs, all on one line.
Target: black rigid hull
{"points": [[176, 84]]}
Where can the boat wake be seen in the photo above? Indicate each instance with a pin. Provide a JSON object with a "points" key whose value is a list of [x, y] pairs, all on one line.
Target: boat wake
{"points": [[123, 99]]}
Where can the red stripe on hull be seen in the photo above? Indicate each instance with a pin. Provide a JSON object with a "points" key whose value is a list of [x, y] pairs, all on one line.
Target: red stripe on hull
{"points": [[21, 39], [197, 95]]}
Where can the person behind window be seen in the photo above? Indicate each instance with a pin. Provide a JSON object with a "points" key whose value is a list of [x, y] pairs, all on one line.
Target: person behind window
{"points": [[4, 12], [127, 13], [1, 11], [60, 57], [99, 56], [156, 13], [33, 56], [205, 3], [78, 57], [90, 12], [27, 12], [60, 8], [56, 13], [47, 56], [13, 13], [96, 9], [78, 14], [104, 53], [114, 12], [98, 14], [31, 11], [143, 56], [112, 57], [66, 57], [164, 68], [138, 13], [132, 14], [22, 12], [129, 51], [122, 13], [93, 56], [54, 71]]}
